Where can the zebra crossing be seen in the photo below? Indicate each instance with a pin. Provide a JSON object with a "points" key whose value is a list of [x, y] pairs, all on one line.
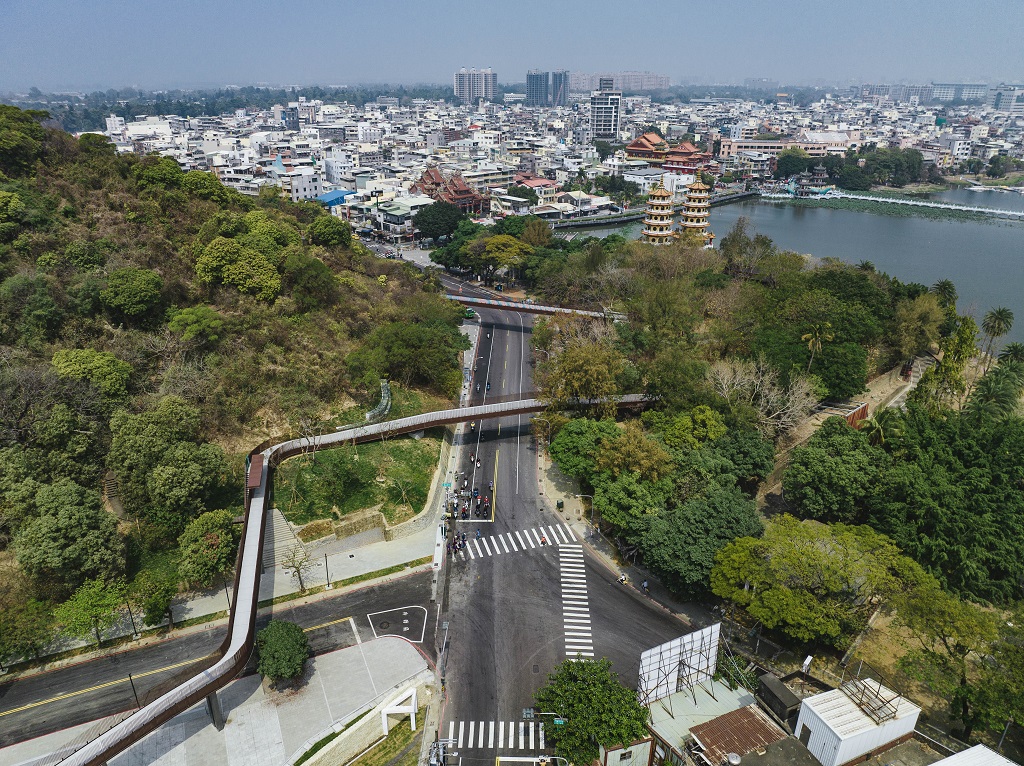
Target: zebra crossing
{"points": [[575, 603], [515, 542], [496, 735]]}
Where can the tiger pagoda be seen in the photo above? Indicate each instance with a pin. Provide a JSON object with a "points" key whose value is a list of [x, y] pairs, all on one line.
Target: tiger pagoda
{"points": [[658, 221]]}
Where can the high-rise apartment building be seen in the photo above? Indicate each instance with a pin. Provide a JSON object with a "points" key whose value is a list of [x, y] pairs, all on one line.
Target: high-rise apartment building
{"points": [[475, 84], [537, 88], [1007, 98], [560, 88], [605, 110]]}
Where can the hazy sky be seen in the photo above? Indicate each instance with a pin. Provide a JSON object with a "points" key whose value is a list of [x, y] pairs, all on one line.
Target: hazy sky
{"points": [[97, 44]]}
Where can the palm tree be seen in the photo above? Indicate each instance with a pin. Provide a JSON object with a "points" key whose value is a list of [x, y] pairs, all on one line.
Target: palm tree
{"points": [[994, 397], [814, 338], [947, 293], [1012, 352], [866, 266], [996, 324], [881, 427]]}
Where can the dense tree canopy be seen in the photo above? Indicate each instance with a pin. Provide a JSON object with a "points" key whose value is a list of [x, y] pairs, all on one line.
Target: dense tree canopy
{"points": [[812, 582], [598, 710], [70, 539], [438, 220], [282, 649]]}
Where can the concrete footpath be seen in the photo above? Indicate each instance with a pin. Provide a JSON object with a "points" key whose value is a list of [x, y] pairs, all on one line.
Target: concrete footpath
{"points": [[264, 727]]}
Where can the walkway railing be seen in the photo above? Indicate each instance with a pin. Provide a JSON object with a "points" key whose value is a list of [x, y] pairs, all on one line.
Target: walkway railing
{"points": [[237, 646], [528, 308]]}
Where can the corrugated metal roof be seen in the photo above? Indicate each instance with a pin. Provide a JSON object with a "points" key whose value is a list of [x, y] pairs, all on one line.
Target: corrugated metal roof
{"points": [[741, 731], [845, 718], [979, 755]]}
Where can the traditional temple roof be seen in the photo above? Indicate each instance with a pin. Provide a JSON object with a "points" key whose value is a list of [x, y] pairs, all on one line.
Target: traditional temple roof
{"points": [[660, 192], [448, 188]]}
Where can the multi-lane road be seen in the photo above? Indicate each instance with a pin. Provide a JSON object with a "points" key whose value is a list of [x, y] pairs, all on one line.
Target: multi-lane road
{"points": [[528, 593], [519, 599], [45, 702]]}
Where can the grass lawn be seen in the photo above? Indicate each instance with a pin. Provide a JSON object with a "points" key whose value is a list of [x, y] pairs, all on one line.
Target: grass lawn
{"points": [[346, 479], [400, 748]]}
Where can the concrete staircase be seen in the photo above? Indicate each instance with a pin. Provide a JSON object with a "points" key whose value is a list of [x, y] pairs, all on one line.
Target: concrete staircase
{"points": [[279, 539], [921, 364]]}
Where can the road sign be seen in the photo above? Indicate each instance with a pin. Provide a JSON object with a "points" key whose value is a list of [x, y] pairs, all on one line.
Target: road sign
{"points": [[447, 485], [559, 722]]}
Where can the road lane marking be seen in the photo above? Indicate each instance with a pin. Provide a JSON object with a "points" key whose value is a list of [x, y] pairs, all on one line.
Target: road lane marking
{"points": [[536, 536], [451, 730], [477, 546], [503, 544], [472, 729], [501, 734], [106, 685], [512, 541], [522, 735], [481, 734], [468, 550], [531, 738], [569, 530], [486, 546], [321, 625], [528, 539]]}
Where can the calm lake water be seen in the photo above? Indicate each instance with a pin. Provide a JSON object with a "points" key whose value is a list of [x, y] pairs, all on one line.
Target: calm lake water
{"points": [[985, 259]]}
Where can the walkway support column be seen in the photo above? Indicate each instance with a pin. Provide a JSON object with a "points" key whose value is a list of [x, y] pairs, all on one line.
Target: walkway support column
{"points": [[214, 709]]}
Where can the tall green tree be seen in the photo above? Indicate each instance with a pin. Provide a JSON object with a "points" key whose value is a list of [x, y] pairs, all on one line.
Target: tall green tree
{"points": [[830, 478], [578, 443], [93, 608], [598, 710], [330, 231], [71, 539], [813, 582], [817, 335], [282, 649], [209, 546], [995, 324], [680, 543], [166, 474], [438, 220], [951, 637], [26, 627], [132, 292]]}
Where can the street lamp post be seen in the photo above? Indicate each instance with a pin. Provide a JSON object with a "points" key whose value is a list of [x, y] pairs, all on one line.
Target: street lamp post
{"points": [[547, 432], [327, 569]]}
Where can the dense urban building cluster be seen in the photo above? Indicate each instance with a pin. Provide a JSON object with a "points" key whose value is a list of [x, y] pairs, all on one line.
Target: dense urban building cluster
{"points": [[376, 165]]}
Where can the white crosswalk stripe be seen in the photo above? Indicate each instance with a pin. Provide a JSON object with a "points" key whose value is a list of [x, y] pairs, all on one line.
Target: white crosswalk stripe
{"points": [[575, 602], [557, 535]]}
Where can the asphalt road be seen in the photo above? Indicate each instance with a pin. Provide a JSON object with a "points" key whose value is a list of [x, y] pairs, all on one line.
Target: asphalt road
{"points": [[58, 699], [504, 609]]}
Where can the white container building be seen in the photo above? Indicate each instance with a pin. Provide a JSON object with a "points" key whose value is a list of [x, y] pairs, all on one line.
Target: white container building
{"points": [[860, 717], [979, 755]]}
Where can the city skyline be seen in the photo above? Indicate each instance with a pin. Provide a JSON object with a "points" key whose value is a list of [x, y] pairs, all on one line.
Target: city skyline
{"points": [[103, 45]]}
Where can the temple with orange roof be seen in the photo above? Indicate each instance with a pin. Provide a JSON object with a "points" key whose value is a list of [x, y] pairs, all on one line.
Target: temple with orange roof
{"points": [[451, 188]]}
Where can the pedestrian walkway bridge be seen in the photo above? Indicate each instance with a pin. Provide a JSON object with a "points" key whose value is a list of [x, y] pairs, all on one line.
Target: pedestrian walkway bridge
{"points": [[237, 646], [527, 308], [836, 194]]}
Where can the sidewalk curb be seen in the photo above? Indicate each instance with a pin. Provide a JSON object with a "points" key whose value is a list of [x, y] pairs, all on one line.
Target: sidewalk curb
{"points": [[82, 659]]}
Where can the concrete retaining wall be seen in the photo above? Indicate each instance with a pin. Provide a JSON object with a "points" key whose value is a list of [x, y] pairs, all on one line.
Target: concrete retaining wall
{"points": [[428, 517], [367, 731]]}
